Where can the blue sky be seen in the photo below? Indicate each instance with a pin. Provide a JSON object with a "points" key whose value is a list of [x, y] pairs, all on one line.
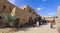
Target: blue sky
{"points": [[42, 7]]}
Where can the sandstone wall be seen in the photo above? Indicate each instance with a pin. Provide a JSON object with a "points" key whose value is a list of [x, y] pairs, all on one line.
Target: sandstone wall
{"points": [[5, 7]]}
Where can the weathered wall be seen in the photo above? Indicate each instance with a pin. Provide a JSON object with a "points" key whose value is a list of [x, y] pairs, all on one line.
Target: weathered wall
{"points": [[30, 10], [58, 20], [5, 7], [58, 12], [23, 16]]}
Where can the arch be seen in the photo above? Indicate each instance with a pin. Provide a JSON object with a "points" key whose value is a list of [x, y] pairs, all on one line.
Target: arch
{"points": [[2, 23], [15, 23]]}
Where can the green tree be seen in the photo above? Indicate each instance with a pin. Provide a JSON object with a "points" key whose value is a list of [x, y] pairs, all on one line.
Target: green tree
{"points": [[11, 21], [8, 19]]}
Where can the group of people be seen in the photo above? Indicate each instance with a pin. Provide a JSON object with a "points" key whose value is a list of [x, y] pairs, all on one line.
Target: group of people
{"points": [[51, 23]]}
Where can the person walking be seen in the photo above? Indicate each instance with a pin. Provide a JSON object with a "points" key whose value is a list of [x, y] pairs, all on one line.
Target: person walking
{"points": [[37, 23], [51, 24]]}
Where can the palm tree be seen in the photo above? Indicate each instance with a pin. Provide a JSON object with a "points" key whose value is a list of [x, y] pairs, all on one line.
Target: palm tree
{"points": [[8, 19], [15, 21], [11, 21]]}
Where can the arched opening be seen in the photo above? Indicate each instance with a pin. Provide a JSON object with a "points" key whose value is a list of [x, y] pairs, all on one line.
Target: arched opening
{"points": [[30, 21], [35, 20], [16, 22], [0, 19], [2, 23]]}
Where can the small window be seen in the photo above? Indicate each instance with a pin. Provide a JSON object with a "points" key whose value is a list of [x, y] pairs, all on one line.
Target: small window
{"points": [[0, 17], [24, 8], [4, 7], [30, 10], [10, 8], [36, 15], [33, 12]]}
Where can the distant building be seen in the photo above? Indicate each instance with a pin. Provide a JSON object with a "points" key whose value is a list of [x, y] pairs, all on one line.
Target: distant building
{"points": [[51, 18]]}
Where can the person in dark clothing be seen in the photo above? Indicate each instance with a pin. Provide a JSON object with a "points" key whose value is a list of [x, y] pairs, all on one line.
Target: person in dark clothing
{"points": [[52, 24]]}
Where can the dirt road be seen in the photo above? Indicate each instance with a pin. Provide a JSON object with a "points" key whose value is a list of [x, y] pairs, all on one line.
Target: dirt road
{"points": [[41, 29]]}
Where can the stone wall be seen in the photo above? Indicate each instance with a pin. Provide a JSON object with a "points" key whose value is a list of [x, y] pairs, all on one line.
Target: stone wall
{"points": [[30, 10], [23, 16], [5, 7]]}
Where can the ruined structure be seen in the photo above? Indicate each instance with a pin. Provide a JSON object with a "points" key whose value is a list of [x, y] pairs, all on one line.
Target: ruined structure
{"points": [[25, 13]]}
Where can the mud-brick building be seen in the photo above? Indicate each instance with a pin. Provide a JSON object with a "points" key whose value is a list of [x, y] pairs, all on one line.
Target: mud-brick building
{"points": [[5, 8], [24, 13], [28, 9], [21, 14]]}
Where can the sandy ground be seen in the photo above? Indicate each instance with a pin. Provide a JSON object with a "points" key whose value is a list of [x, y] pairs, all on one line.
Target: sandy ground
{"points": [[5, 30], [40, 29]]}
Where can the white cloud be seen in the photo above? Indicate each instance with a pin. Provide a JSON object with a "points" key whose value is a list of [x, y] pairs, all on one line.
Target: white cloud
{"points": [[39, 8], [44, 0], [51, 13], [12, 1]]}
